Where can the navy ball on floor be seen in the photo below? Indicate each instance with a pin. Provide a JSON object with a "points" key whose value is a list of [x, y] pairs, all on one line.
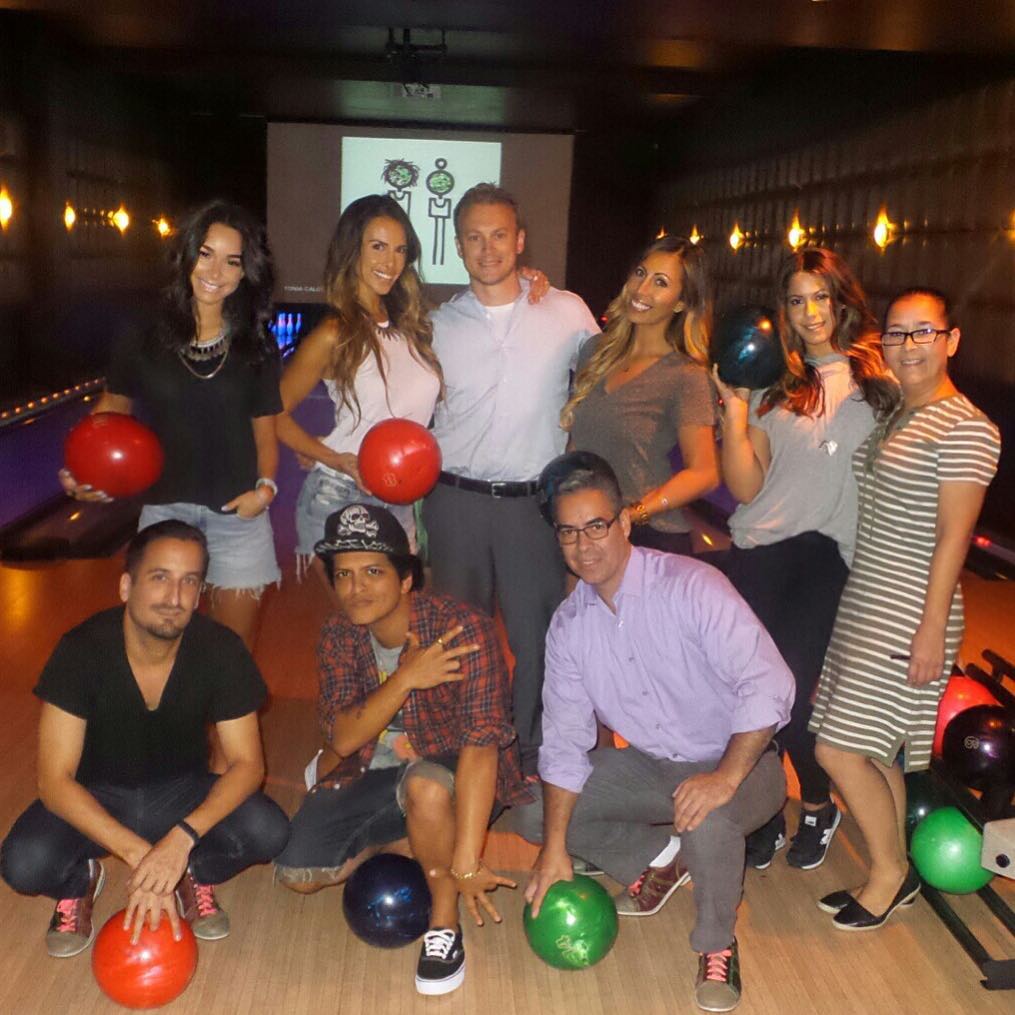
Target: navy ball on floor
{"points": [[979, 746], [387, 902], [745, 346]]}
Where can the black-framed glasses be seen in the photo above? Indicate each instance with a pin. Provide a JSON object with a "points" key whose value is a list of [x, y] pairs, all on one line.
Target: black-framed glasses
{"points": [[921, 336], [567, 535]]}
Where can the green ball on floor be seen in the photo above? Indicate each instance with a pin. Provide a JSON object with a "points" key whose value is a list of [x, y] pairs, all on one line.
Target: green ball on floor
{"points": [[946, 851], [576, 926]]}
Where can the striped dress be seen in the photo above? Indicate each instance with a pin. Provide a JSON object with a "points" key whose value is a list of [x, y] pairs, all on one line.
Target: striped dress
{"points": [[863, 702]]}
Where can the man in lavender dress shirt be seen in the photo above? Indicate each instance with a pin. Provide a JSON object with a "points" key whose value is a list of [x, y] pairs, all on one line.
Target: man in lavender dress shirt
{"points": [[662, 649]]}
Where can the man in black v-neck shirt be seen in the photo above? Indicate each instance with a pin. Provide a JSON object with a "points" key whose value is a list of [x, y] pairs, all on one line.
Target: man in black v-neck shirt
{"points": [[127, 696]]}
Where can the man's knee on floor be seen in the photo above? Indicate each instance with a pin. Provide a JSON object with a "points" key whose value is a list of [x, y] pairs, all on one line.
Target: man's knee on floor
{"points": [[26, 865]]}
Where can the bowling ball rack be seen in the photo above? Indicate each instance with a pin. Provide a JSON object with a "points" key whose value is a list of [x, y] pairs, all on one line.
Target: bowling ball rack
{"points": [[994, 804]]}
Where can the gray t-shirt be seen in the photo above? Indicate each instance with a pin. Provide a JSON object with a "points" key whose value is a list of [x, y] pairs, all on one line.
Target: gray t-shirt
{"points": [[392, 743], [635, 427], [809, 486]]}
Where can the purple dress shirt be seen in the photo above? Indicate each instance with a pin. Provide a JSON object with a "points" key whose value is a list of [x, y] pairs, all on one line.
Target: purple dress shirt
{"points": [[679, 668]]}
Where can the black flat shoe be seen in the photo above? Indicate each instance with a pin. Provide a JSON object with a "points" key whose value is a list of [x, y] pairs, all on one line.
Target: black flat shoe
{"points": [[853, 916], [835, 902]]}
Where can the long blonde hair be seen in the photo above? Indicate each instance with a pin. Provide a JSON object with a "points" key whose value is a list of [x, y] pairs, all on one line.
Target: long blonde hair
{"points": [[357, 333], [688, 332]]}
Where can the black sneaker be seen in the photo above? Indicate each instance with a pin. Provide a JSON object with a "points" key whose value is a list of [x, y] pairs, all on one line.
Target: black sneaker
{"points": [[813, 837], [765, 842], [441, 966]]}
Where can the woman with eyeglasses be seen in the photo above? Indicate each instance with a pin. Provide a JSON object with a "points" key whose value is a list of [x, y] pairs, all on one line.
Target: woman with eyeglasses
{"points": [[786, 458], [922, 476], [643, 387]]}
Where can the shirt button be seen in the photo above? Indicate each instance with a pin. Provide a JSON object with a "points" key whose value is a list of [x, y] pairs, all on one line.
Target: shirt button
{"points": [[644, 694]]}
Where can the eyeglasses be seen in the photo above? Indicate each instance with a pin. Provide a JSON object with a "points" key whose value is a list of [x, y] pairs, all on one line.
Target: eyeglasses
{"points": [[567, 535], [921, 336]]}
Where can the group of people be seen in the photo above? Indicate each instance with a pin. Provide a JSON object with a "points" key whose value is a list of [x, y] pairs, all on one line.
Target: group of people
{"points": [[569, 456]]}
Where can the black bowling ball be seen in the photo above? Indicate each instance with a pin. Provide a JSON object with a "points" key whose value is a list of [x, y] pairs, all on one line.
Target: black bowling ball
{"points": [[923, 795], [979, 746], [745, 346]]}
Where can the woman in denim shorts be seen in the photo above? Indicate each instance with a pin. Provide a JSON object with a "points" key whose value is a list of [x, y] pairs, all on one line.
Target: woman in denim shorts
{"points": [[204, 376], [374, 353]]}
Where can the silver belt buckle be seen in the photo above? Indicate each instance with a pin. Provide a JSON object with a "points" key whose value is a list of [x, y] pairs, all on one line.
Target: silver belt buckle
{"points": [[496, 489]]}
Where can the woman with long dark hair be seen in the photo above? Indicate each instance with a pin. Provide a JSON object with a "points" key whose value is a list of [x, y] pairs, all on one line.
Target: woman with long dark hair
{"points": [[204, 376], [374, 352], [786, 455], [922, 476], [642, 388]]}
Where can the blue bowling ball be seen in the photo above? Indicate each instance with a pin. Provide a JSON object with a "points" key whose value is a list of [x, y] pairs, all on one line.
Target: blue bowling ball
{"points": [[745, 346], [387, 901]]}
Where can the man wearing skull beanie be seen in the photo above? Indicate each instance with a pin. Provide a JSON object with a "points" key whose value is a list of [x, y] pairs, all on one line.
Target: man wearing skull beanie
{"points": [[414, 708]]}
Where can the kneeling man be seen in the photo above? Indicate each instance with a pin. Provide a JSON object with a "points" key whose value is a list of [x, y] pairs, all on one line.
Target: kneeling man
{"points": [[661, 649], [415, 712], [123, 752]]}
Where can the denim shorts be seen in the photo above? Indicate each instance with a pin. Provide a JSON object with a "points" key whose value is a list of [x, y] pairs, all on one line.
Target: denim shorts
{"points": [[324, 493], [241, 551]]}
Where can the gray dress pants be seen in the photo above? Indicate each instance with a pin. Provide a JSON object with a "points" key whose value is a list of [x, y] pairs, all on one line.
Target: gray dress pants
{"points": [[623, 819], [486, 550]]}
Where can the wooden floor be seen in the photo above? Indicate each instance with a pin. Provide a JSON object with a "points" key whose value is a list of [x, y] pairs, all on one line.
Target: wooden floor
{"points": [[289, 954]]}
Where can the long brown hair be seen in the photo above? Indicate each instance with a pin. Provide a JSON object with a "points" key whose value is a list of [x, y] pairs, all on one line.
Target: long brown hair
{"points": [[357, 334], [688, 331], [855, 336]]}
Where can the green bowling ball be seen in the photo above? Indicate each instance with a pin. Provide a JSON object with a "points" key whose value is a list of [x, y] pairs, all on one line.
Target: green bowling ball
{"points": [[946, 851], [576, 926]]}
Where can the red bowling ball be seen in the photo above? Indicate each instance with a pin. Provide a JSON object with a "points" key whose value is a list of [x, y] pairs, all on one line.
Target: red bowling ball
{"points": [[146, 975], [961, 693], [399, 461], [113, 452]]}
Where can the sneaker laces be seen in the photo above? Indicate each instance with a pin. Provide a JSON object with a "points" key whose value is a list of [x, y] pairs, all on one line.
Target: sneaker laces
{"points": [[717, 965], [204, 897], [68, 910], [437, 944], [635, 889]]}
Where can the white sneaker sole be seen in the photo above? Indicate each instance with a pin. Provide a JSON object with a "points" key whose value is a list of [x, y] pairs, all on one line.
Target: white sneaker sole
{"points": [[433, 988]]}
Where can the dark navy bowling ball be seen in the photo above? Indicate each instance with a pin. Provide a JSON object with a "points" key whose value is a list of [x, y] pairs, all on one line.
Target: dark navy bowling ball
{"points": [[923, 797], [979, 746], [387, 902], [745, 346]]}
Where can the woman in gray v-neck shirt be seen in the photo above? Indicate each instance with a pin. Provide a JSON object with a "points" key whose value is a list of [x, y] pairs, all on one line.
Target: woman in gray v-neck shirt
{"points": [[643, 388]]}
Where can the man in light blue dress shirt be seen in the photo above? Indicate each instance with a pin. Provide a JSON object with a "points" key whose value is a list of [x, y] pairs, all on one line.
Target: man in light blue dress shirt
{"points": [[663, 650], [507, 365]]}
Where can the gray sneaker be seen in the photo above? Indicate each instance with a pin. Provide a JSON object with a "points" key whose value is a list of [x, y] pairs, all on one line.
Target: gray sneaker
{"points": [[199, 907], [71, 929], [718, 985]]}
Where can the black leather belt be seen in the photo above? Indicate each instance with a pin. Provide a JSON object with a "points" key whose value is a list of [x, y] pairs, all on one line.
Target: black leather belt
{"points": [[490, 489]]}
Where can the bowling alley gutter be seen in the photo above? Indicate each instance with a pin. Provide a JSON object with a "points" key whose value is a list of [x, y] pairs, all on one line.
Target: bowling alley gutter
{"points": [[37, 406]]}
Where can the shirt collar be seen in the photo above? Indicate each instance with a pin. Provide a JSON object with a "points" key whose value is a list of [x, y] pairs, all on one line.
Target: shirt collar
{"points": [[467, 298]]}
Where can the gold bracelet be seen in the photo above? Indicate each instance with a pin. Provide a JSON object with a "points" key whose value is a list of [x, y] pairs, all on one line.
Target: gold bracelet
{"points": [[639, 513], [466, 877]]}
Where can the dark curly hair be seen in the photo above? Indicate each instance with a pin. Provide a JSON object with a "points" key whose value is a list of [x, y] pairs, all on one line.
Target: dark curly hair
{"points": [[247, 311]]}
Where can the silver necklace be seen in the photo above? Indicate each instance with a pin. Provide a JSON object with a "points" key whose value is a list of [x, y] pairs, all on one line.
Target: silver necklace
{"points": [[201, 351], [222, 362]]}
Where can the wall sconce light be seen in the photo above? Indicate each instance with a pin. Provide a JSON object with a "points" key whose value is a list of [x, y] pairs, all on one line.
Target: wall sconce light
{"points": [[797, 235], [695, 237], [736, 238], [121, 219], [70, 216], [6, 208], [884, 230], [162, 226], [661, 233]]}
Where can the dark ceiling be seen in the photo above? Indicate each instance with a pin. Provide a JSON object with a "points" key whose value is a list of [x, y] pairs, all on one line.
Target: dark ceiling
{"points": [[521, 64]]}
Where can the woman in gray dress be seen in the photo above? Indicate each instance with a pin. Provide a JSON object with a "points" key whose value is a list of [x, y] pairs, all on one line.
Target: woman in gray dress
{"points": [[643, 387]]}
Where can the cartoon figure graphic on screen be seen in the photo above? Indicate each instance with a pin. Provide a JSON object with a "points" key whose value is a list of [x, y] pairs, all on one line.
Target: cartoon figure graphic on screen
{"points": [[440, 183], [401, 176]]}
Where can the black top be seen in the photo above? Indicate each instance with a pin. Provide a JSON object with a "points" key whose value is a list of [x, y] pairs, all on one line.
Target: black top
{"points": [[213, 679], [204, 425]]}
